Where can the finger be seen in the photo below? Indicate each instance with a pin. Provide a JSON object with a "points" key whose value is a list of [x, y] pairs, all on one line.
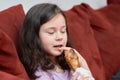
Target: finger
{"points": [[65, 48], [78, 54]]}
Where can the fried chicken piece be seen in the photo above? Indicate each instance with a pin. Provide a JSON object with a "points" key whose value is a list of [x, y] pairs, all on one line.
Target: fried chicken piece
{"points": [[72, 59]]}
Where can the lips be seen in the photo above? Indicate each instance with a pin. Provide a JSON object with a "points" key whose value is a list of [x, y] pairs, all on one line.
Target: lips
{"points": [[58, 46]]}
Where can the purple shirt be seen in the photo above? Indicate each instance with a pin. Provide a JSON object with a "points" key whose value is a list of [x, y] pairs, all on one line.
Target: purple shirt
{"points": [[53, 75]]}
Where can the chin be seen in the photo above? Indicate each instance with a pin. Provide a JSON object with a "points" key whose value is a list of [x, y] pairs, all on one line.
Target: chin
{"points": [[57, 53]]}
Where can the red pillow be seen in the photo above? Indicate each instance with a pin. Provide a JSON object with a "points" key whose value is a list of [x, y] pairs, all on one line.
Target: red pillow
{"points": [[9, 60], [10, 23], [11, 20], [107, 34], [82, 38], [113, 1], [96, 35], [7, 76]]}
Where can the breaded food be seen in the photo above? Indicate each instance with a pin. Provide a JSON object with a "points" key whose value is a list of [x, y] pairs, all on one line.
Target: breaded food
{"points": [[72, 59]]}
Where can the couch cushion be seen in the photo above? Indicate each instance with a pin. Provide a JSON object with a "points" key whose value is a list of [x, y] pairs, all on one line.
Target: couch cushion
{"points": [[113, 1], [9, 60], [11, 20], [82, 38], [107, 34], [96, 35], [10, 65]]}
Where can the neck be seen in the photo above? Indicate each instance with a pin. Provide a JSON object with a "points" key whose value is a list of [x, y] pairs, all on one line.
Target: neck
{"points": [[58, 69]]}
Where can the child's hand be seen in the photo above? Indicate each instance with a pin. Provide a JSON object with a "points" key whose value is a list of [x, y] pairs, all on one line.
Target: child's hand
{"points": [[81, 72]]}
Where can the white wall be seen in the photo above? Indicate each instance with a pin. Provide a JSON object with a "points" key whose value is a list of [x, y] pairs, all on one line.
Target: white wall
{"points": [[64, 4]]}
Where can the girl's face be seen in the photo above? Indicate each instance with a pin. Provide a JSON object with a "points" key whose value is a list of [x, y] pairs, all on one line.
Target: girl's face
{"points": [[53, 35]]}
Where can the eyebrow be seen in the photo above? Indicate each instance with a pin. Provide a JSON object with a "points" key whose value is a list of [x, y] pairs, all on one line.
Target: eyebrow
{"points": [[64, 26]]}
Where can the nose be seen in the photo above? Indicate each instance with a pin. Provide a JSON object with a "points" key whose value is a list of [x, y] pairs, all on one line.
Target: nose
{"points": [[59, 36]]}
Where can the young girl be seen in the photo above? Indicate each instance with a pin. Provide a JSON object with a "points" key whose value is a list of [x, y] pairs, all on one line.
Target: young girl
{"points": [[43, 40]]}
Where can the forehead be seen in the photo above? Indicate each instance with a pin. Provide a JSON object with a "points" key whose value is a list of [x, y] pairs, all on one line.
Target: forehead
{"points": [[57, 20]]}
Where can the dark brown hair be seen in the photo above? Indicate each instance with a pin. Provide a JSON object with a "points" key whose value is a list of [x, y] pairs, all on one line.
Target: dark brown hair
{"points": [[32, 54]]}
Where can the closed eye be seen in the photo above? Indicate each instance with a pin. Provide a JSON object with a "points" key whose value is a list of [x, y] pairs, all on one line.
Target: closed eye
{"points": [[63, 30], [50, 32]]}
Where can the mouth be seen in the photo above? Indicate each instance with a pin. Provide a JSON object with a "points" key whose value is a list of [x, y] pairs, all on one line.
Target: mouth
{"points": [[58, 46]]}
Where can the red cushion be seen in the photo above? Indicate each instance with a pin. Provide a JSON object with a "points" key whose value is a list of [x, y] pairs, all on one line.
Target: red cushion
{"points": [[108, 37], [10, 65], [7, 76], [113, 1], [82, 38], [11, 20], [96, 35]]}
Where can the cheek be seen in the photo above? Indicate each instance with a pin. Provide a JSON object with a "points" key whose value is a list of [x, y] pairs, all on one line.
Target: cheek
{"points": [[45, 40], [65, 38]]}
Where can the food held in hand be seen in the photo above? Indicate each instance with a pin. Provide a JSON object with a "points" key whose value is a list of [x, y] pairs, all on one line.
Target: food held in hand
{"points": [[72, 59]]}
